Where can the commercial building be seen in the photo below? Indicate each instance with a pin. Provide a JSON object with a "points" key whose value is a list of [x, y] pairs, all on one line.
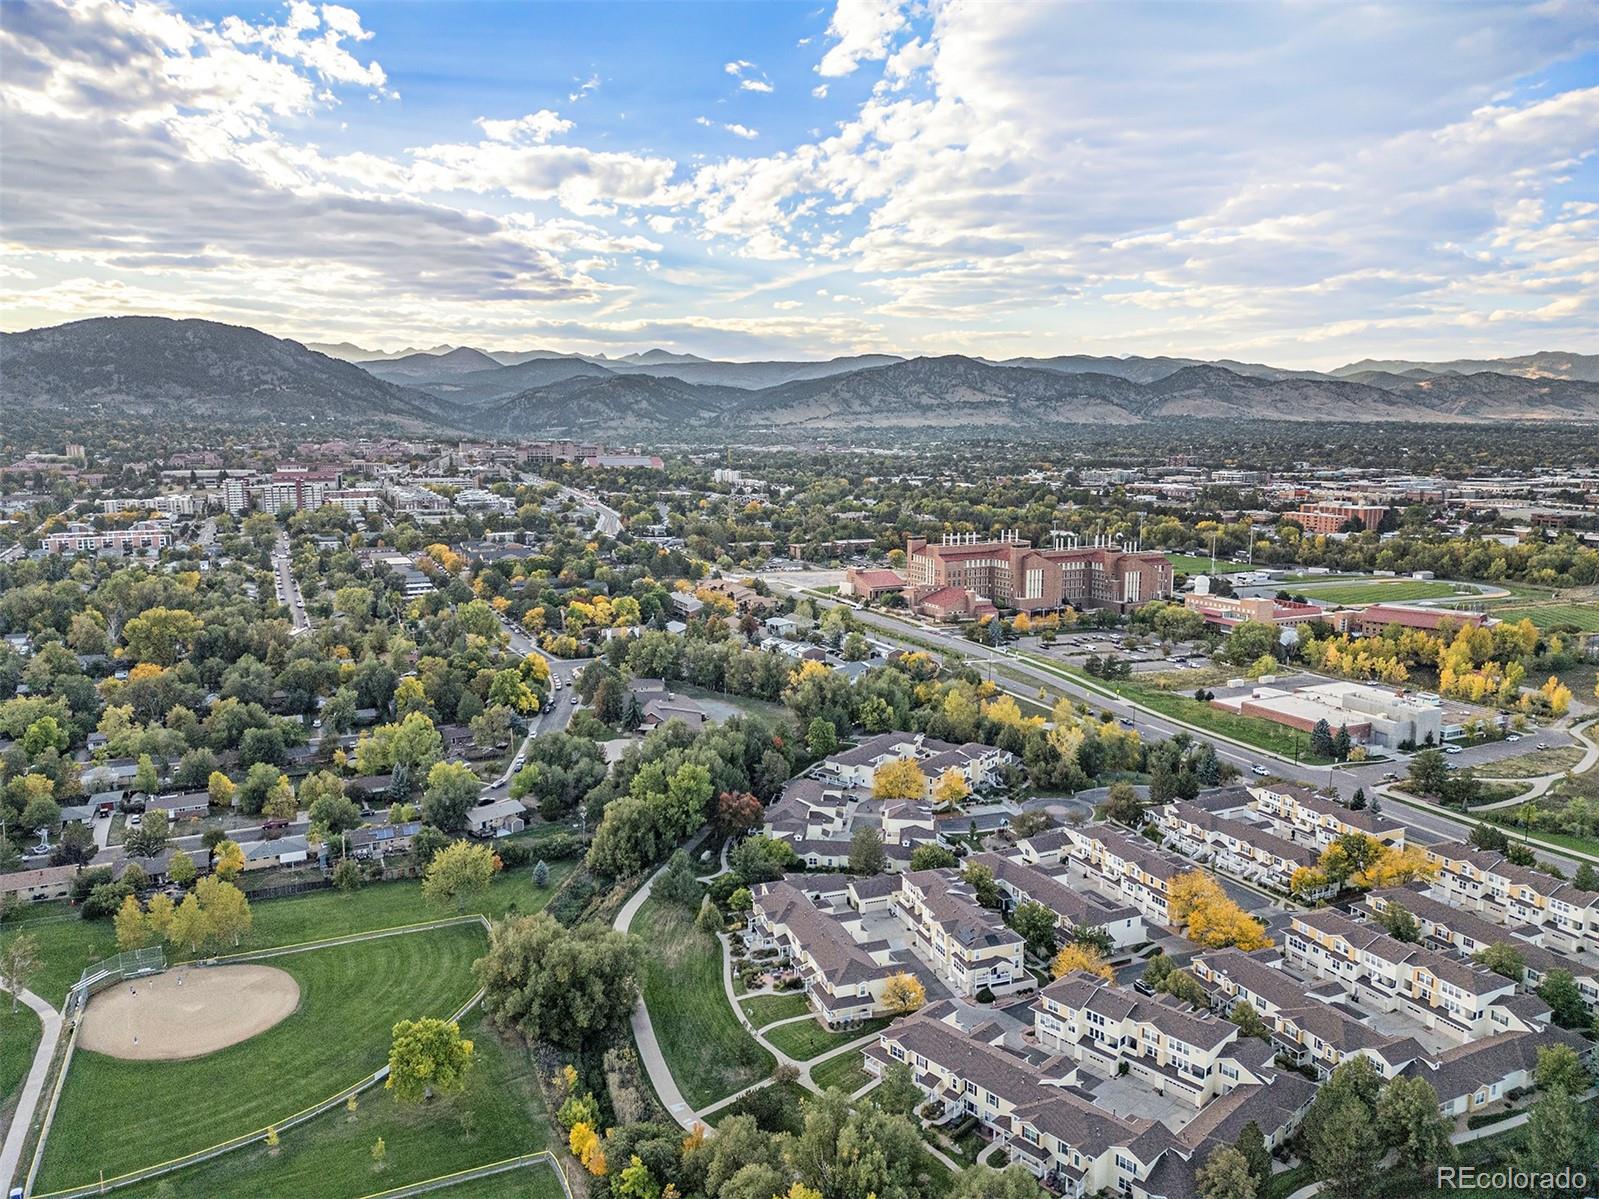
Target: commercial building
{"points": [[1331, 516], [1227, 611], [1376, 617], [1014, 575], [1376, 716], [870, 584]]}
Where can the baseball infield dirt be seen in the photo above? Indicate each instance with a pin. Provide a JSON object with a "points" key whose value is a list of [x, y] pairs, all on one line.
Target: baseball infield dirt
{"points": [[187, 1012]]}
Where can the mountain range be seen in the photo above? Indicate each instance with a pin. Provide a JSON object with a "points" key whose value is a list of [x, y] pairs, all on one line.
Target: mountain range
{"points": [[165, 369]]}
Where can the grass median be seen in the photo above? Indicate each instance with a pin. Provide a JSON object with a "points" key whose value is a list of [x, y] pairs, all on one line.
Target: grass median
{"points": [[116, 1116], [708, 1051], [19, 1039]]}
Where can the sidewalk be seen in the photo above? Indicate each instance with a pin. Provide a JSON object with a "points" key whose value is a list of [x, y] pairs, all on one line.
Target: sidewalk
{"points": [[649, 1049], [32, 1087]]}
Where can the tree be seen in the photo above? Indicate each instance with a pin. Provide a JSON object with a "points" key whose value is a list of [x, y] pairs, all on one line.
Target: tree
{"points": [[1249, 1021], [1252, 1144], [866, 853], [1081, 957], [1428, 772], [76, 848], [898, 1091], [738, 812], [158, 915], [322, 796], [1559, 991], [346, 875], [951, 789], [541, 875], [452, 789], [1558, 1135], [1559, 1066], [980, 879], [1408, 1122], [1197, 901], [427, 1057], [221, 789], [855, 1151], [457, 873], [677, 882], [1036, 925], [150, 838], [1123, 805], [187, 929], [225, 909], [904, 994], [19, 962], [985, 1182], [1225, 1175], [558, 984], [821, 738], [1399, 923], [227, 859], [932, 857], [133, 931], [1503, 959], [1343, 1148], [1321, 740], [709, 918], [1586, 878], [900, 779]]}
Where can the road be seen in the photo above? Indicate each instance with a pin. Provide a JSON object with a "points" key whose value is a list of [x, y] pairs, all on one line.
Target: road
{"points": [[554, 718], [607, 520], [288, 588], [1427, 826]]}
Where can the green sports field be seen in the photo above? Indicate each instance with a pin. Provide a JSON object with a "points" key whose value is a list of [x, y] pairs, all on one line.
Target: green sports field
{"points": [[116, 1116], [1584, 618], [499, 1116], [1376, 591], [1194, 564]]}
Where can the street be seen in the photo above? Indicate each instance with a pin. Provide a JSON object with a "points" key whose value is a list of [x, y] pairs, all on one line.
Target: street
{"points": [[288, 588]]}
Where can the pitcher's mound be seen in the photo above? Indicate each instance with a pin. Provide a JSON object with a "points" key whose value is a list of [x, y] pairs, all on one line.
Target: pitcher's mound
{"points": [[187, 1012]]}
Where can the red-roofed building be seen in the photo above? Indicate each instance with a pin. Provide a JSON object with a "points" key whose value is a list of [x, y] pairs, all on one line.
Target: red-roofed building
{"points": [[868, 584], [1413, 616]]}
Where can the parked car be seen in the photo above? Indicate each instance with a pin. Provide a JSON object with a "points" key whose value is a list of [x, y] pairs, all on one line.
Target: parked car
{"points": [[1543, 745], [1451, 749], [136, 820], [1512, 736]]}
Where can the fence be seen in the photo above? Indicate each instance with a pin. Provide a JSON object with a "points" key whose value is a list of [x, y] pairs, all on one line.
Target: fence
{"points": [[133, 963], [445, 1181]]}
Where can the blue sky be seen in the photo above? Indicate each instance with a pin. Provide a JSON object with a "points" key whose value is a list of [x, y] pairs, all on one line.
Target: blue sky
{"points": [[1304, 184]]}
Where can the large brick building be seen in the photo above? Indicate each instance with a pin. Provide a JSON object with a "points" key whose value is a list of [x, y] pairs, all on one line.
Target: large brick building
{"points": [[1016, 575], [1332, 516]]}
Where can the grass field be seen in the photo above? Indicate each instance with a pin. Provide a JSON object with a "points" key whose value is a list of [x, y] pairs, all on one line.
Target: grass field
{"points": [[805, 1039], [706, 1048], [1372, 591], [763, 1009], [68, 944], [1530, 765], [844, 1071], [119, 1115], [1195, 564], [499, 1116], [19, 1037], [1582, 617], [537, 1182]]}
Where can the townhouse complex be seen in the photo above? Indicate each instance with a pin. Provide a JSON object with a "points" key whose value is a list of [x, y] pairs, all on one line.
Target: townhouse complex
{"points": [[1559, 915]]}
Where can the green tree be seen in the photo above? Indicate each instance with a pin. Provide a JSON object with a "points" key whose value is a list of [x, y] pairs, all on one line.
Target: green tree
{"points": [[866, 853], [1559, 1066], [427, 1057], [1225, 1175], [821, 738], [566, 986], [457, 873], [150, 838], [1249, 1021], [677, 882], [1559, 991], [1035, 924], [1399, 923], [1558, 1135], [452, 789], [985, 1182], [933, 857], [1252, 1144], [181, 868], [1503, 959], [1408, 1122], [19, 962]]}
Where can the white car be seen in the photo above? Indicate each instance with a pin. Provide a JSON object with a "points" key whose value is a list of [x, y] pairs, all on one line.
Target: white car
{"points": [[135, 820], [575, 701], [519, 762], [1513, 737], [1451, 749], [1260, 770]]}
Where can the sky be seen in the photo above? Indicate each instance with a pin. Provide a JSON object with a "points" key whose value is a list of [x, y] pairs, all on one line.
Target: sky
{"points": [[1302, 183]]}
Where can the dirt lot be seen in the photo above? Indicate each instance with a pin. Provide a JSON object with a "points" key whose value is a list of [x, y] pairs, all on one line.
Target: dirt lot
{"points": [[187, 1012]]}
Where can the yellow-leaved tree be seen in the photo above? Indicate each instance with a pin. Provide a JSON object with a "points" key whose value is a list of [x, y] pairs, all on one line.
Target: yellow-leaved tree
{"points": [[1081, 957], [950, 789], [1197, 902], [904, 994], [900, 779]]}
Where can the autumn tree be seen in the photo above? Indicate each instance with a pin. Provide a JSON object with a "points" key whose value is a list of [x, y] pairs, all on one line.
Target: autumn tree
{"points": [[427, 1057], [1081, 957], [458, 872], [900, 779], [904, 994]]}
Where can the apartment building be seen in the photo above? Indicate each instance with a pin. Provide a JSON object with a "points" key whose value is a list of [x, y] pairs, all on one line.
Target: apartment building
{"points": [[1128, 866], [1565, 918], [1076, 910], [969, 946], [1452, 997], [982, 766], [812, 924], [1333, 516], [167, 505], [1467, 933], [820, 820], [1046, 1121], [1233, 846], [139, 537], [1322, 820], [1013, 574]]}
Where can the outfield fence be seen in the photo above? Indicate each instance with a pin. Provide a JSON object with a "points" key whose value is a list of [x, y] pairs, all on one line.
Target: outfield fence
{"points": [[445, 1181]]}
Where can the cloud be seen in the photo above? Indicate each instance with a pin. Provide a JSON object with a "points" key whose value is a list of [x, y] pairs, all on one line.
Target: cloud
{"points": [[738, 66], [736, 130], [754, 85], [584, 87], [863, 29], [537, 127]]}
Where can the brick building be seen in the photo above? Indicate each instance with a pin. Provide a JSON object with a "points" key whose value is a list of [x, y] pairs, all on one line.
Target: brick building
{"points": [[1330, 516], [1016, 575]]}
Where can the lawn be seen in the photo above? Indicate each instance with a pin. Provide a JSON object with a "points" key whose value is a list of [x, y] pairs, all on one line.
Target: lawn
{"points": [[719, 705], [68, 944], [844, 1071], [116, 1116], [1374, 591], [706, 1048], [763, 1009], [806, 1039], [19, 1037], [1196, 564], [1582, 617], [499, 1116], [534, 1182]]}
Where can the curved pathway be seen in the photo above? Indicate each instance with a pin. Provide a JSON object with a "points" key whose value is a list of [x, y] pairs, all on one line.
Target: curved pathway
{"points": [[32, 1087], [1540, 783]]}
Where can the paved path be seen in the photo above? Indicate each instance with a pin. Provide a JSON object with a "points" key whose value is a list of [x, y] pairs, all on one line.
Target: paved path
{"points": [[1540, 783], [649, 1048], [32, 1088]]}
